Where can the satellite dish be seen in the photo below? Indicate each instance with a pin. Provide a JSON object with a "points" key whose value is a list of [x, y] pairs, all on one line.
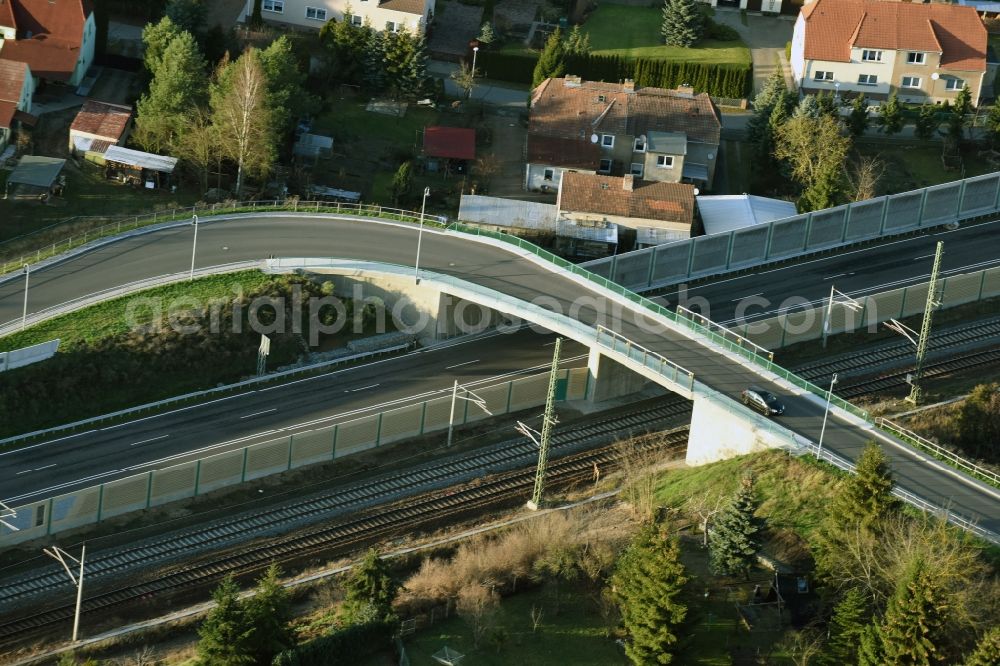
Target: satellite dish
{"points": [[711, 156], [697, 191], [935, 76], [594, 138]]}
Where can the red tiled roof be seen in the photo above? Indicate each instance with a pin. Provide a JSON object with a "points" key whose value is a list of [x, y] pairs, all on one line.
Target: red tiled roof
{"points": [[102, 119], [569, 153], [7, 14], [405, 6], [12, 76], [56, 29], [456, 143], [833, 27], [7, 110], [606, 195], [562, 108]]}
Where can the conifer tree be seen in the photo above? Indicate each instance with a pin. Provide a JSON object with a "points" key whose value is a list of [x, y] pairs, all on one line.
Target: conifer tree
{"points": [[647, 585], [578, 42], [552, 62], [269, 612], [890, 116], [850, 616], [857, 121], [912, 630], [828, 104], [370, 591], [733, 544], [927, 122], [867, 495], [227, 634], [179, 84], [683, 24], [987, 652]]}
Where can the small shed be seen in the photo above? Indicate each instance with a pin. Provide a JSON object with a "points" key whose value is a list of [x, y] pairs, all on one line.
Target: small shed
{"points": [[313, 146], [99, 125], [138, 168], [450, 147], [728, 212], [36, 176]]}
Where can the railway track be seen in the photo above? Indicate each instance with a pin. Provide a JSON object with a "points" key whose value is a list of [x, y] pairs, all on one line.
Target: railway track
{"points": [[359, 519]]}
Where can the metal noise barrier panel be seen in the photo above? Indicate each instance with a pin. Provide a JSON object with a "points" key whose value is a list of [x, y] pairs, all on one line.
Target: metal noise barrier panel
{"points": [[790, 237], [197, 477], [803, 325]]}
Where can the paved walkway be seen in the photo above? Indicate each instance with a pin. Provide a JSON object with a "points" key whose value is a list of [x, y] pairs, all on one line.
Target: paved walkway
{"points": [[485, 91], [766, 36]]}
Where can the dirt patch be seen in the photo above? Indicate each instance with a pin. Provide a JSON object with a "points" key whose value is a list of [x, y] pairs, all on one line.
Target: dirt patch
{"points": [[116, 86], [509, 134]]}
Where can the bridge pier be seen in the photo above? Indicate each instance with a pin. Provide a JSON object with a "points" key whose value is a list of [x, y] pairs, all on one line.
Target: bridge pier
{"points": [[610, 379], [723, 429]]}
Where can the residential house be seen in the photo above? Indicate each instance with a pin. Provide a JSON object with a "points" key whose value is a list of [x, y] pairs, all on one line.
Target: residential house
{"points": [[392, 15], [610, 129], [98, 126], [16, 89], [789, 7], [54, 37], [628, 202], [922, 52]]}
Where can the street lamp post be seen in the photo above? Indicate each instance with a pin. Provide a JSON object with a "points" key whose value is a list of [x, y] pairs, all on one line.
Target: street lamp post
{"points": [[194, 247], [826, 414], [475, 400], [24, 311], [475, 52], [420, 236], [60, 555]]}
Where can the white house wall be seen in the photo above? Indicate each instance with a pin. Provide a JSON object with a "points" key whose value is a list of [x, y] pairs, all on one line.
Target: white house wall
{"points": [[88, 40], [798, 49], [295, 13]]}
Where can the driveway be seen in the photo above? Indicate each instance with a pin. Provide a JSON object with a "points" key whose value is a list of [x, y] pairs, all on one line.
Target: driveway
{"points": [[766, 36]]}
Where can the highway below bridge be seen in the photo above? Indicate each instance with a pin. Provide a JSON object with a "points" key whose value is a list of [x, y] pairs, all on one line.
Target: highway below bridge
{"points": [[504, 270]]}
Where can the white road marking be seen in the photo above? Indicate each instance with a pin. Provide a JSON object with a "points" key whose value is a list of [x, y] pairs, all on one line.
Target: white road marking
{"points": [[459, 365], [759, 293], [39, 469], [833, 277], [266, 411], [363, 388], [926, 256], [147, 441]]}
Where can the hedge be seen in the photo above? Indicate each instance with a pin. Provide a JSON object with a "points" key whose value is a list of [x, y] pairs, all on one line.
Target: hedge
{"points": [[717, 80], [346, 646]]}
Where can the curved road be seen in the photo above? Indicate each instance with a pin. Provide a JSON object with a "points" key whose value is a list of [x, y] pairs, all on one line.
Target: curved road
{"points": [[501, 269]]}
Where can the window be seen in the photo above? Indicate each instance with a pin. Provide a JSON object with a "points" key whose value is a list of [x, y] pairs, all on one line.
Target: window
{"points": [[393, 26], [356, 20], [605, 167], [823, 76], [315, 13], [277, 6], [911, 82], [867, 79], [608, 140], [871, 56], [548, 174], [914, 58], [665, 161], [636, 170], [640, 144], [952, 83], [602, 98]]}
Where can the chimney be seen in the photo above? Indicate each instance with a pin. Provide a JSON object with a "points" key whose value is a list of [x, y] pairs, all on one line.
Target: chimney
{"points": [[628, 86], [572, 81], [685, 89], [628, 182]]}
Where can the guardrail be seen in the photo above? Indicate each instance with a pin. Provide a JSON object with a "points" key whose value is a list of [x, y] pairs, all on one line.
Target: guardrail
{"points": [[724, 332], [228, 388], [649, 359], [939, 452], [134, 222], [914, 500]]}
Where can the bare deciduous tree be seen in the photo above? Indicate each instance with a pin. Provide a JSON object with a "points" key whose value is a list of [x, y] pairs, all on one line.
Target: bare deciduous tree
{"points": [[706, 506], [536, 617], [477, 603], [245, 123], [864, 177], [465, 77]]}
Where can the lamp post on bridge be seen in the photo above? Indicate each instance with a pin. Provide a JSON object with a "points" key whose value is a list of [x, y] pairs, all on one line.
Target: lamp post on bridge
{"points": [[24, 312], [420, 236], [194, 247], [826, 414]]}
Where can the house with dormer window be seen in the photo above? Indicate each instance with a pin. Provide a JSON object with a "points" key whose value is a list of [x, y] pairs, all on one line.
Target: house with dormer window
{"points": [[609, 129], [922, 52], [391, 15]]}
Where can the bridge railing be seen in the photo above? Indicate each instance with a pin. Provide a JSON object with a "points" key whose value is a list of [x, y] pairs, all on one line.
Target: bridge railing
{"points": [[939, 452], [648, 359]]}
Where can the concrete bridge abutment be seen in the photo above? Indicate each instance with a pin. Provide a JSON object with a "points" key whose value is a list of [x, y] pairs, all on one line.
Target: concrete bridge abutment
{"points": [[609, 379], [722, 428]]}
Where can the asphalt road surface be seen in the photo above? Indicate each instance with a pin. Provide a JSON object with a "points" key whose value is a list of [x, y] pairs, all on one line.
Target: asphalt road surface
{"points": [[251, 238], [104, 454]]}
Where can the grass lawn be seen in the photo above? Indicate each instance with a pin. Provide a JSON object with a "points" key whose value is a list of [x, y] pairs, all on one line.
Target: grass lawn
{"points": [[88, 193], [577, 635], [349, 121], [914, 165], [635, 32]]}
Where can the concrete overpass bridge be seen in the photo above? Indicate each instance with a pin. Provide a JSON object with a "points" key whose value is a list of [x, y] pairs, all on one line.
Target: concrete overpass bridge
{"points": [[516, 278]]}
